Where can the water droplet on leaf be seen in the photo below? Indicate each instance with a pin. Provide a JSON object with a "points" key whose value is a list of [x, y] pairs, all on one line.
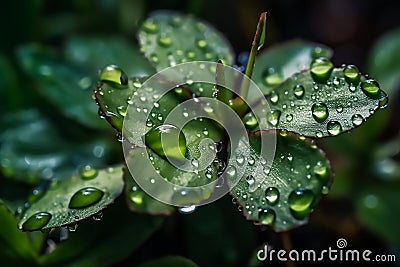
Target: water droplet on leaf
{"points": [[266, 216], [298, 91], [272, 195], [85, 197], [271, 77], [334, 128], [300, 202], [321, 69], [370, 87], [319, 112], [273, 117], [352, 75], [357, 119], [88, 172], [37, 221], [114, 76]]}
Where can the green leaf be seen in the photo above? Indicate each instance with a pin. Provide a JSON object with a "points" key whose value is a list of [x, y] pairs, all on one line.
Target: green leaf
{"points": [[284, 194], [168, 38], [32, 147], [68, 86], [15, 246], [280, 62], [382, 62], [94, 242], [71, 200], [98, 52], [139, 201], [169, 261], [377, 206], [322, 109]]}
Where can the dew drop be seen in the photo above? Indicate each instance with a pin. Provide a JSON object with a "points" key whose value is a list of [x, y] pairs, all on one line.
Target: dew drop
{"points": [[121, 110], [37, 221], [231, 172], [271, 77], [272, 195], [88, 172], [187, 209], [370, 87], [150, 27], [325, 190], [357, 119], [289, 117], [339, 108], [250, 180], [201, 43], [266, 216], [383, 102], [114, 76], [136, 196], [164, 41], [321, 69], [273, 117], [351, 74], [298, 91], [334, 128], [98, 216], [300, 202], [319, 112], [274, 97], [167, 140], [250, 121], [85, 197], [154, 58], [320, 170]]}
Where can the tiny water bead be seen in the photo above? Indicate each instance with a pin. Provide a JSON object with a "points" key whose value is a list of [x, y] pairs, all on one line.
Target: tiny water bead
{"points": [[250, 121], [300, 202], [115, 76], [85, 197], [273, 117], [370, 87], [319, 112], [298, 91], [272, 195], [167, 140], [267, 216], [37, 221], [88, 172], [357, 119], [321, 69], [351, 74], [272, 77], [334, 128]]}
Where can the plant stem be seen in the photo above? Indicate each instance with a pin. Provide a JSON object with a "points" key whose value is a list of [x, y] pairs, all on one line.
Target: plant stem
{"points": [[258, 42]]}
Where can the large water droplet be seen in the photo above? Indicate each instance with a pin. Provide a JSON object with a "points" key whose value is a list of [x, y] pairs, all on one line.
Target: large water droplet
{"points": [[357, 119], [352, 75], [300, 202], [370, 87], [273, 97], [167, 140], [85, 197], [273, 117], [114, 76], [266, 216], [298, 91], [37, 221], [88, 172], [250, 121], [321, 69], [272, 195], [272, 77], [319, 112], [334, 128]]}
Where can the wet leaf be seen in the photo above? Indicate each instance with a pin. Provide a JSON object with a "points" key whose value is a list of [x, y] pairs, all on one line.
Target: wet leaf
{"points": [[320, 109], [91, 244], [284, 194], [168, 38], [277, 63], [139, 201], [98, 52], [71, 200], [32, 147], [68, 86], [15, 246], [169, 261], [376, 205], [383, 64]]}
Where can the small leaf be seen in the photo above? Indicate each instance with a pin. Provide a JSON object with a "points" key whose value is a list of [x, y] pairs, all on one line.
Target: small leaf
{"points": [[169, 38], [68, 86], [283, 194], [279, 62], [139, 201], [71, 200], [376, 206], [382, 62], [169, 261], [92, 243], [322, 109], [33, 148], [15, 246], [99, 52]]}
